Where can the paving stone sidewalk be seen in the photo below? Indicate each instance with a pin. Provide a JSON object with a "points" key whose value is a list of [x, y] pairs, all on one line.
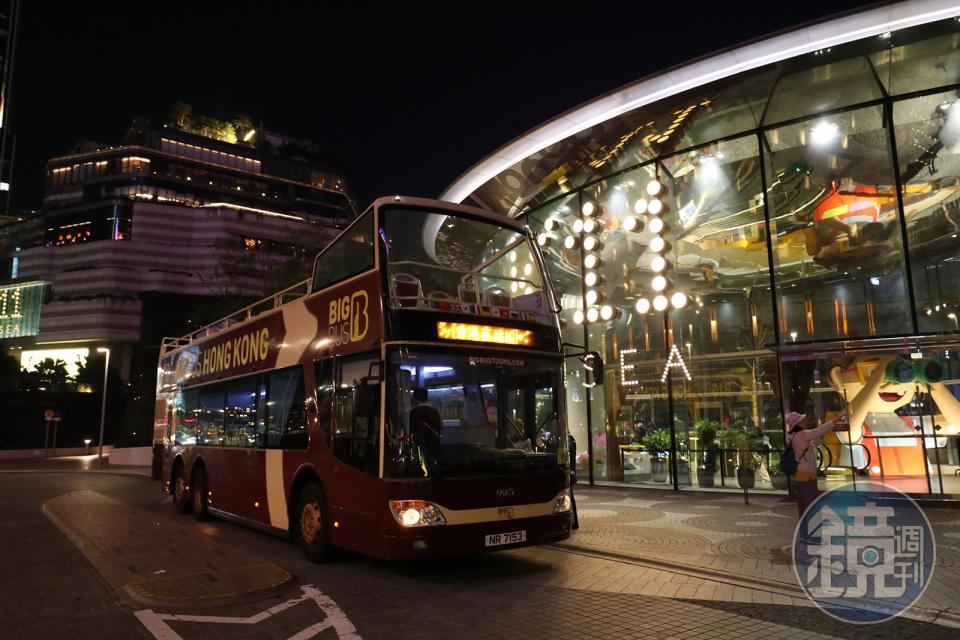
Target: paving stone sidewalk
{"points": [[719, 534], [159, 562]]}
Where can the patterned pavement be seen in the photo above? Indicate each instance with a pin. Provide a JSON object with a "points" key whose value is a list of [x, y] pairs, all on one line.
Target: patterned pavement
{"points": [[718, 533]]}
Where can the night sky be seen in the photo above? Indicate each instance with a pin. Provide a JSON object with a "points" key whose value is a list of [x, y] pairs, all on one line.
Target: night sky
{"points": [[406, 97]]}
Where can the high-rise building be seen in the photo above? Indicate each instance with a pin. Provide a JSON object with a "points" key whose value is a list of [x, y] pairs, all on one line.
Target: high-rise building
{"points": [[9, 16], [140, 239]]}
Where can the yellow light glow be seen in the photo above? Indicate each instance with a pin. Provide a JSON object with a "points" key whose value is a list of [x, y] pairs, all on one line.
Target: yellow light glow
{"points": [[483, 333], [29, 358]]}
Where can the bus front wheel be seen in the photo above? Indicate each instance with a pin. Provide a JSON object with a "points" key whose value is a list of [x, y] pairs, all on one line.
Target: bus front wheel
{"points": [[312, 522], [200, 494], [181, 490]]}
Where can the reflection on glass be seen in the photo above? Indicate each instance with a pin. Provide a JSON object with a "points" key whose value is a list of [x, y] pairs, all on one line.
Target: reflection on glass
{"points": [[564, 269], [904, 417], [928, 146], [835, 219], [452, 415], [921, 57], [461, 265], [835, 81]]}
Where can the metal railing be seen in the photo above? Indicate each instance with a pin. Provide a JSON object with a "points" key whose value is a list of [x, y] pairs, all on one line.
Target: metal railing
{"points": [[271, 302]]}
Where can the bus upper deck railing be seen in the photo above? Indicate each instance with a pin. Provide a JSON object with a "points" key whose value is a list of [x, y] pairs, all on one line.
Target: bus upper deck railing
{"points": [[271, 302]]}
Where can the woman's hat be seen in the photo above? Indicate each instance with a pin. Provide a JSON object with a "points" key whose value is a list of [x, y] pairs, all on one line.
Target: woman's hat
{"points": [[793, 418]]}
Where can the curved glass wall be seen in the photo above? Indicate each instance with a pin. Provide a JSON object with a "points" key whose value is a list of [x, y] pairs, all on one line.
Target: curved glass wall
{"points": [[810, 221]]}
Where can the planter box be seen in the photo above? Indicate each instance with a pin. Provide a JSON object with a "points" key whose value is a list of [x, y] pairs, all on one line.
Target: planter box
{"points": [[658, 470], [705, 477], [746, 478]]}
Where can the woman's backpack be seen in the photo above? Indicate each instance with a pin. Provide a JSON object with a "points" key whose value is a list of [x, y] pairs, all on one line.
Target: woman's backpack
{"points": [[789, 463]]}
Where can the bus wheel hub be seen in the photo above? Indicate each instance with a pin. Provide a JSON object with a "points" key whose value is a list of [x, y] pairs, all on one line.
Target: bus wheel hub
{"points": [[309, 522]]}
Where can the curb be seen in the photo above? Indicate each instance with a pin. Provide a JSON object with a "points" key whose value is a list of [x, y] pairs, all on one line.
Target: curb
{"points": [[137, 594], [127, 474], [920, 614]]}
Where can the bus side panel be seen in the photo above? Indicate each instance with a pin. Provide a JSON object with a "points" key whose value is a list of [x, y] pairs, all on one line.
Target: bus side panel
{"points": [[237, 479], [356, 505], [352, 497]]}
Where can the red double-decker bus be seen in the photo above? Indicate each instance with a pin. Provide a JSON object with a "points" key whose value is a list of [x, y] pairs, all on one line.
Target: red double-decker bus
{"points": [[406, 402]]}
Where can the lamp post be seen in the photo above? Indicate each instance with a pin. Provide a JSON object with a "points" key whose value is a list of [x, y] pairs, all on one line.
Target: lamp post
{"points": [[103, 408]]}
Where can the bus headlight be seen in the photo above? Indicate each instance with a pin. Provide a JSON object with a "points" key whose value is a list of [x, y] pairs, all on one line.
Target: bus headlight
{"points": [[417, 513], [563, 503]]}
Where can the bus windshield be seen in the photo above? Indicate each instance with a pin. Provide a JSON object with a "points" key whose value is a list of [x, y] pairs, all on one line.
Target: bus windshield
{"points": [[451, 413], [441, 261]]}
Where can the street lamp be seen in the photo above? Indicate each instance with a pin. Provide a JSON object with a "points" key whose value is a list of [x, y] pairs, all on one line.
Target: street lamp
{"points": [[103, 408]]}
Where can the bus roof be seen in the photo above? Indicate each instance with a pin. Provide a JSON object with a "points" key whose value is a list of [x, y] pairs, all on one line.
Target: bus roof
{"points": [[408, 201], [302, 289]]}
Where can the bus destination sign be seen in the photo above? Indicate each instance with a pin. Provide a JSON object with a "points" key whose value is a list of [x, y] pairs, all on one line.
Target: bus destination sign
{"points": [[484, 333]]}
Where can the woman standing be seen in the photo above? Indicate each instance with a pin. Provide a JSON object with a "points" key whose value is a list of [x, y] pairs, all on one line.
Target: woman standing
{"points": [[804, 440]]}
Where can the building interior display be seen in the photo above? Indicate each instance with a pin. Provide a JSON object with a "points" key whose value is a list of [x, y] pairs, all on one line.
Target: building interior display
{"points": [[799, 252]]}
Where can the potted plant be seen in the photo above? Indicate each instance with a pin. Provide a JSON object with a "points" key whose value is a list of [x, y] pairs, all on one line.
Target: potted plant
{"points": [[708, 451], [657, 442], [746, 443], [777, 478]]}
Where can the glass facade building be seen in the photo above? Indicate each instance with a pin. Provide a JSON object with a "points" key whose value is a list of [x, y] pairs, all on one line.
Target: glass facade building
{"points": [[810, 213]]}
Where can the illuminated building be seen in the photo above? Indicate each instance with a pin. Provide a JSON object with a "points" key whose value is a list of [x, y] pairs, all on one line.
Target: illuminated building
{"points": [[806, 248], [9, 20], [134, 238]]}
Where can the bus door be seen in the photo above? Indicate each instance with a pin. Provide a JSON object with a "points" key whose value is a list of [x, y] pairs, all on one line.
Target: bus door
{"points": [[529, 412], [354, 486]]}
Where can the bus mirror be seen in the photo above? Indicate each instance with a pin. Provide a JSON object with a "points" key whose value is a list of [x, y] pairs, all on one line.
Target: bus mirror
{"points": [[594, 366], [366, 399]]}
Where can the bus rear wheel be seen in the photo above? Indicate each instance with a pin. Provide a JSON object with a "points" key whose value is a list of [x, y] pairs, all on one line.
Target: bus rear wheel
{"points": [[200, 494], [312, 523], [181, 490]]}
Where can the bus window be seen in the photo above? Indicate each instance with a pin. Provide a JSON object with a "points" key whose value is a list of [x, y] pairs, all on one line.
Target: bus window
{"points": [[350, 254], [210, 416], [286, 425], [514, 430], [240, 415], [324, 371], [356, 440], [495, 414], [185, 416]]}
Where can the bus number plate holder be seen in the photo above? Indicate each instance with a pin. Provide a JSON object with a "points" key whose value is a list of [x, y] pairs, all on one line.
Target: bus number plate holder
{"points": [[497, 539]]}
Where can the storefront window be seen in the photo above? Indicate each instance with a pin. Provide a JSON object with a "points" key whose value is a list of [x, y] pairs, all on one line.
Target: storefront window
{"points": [[918, 58], [836, 224], [904, 416], [928, 144], [836, 78]]}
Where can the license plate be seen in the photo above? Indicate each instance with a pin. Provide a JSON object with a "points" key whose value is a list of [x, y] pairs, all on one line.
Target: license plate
{"points": [[497, 539]]}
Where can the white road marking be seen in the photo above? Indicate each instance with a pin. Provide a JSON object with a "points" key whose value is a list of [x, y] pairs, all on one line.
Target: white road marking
{"points": [[156, 623]]}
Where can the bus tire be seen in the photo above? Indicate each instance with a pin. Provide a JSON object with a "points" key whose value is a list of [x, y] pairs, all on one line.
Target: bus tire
{"points": [[181, 489], [199, 494], [312, 522]]}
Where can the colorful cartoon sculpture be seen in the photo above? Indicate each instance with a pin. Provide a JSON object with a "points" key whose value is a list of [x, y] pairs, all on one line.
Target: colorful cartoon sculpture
{"points": [[875, 387]]}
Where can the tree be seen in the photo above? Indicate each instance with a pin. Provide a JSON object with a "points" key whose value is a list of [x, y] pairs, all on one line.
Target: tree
{"points": [[52, 373], [182, 115], [9, 368], [9, 365], [242, 125]]}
